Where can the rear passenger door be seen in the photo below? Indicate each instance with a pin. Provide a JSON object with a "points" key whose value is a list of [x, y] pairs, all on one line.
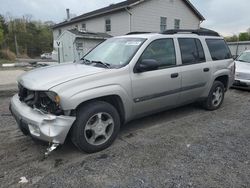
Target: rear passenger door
{"points": [[195, 71]]}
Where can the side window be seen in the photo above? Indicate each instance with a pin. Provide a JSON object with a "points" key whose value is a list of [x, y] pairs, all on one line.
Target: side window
{"points": [[191, 51], [163, 51], [84, 26], [163, 25], [59, 32], [218, 49], [177, 23], [107, 25]]}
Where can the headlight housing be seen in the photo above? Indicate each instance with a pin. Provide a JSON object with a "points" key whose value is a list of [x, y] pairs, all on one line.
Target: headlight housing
{"points": [[53, 96], [49, 102]]}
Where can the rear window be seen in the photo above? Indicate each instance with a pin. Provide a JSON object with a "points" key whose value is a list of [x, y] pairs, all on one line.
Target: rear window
{"points": [[218, 49]]}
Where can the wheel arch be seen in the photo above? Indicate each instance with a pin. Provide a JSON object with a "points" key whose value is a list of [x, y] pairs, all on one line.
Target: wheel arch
{"points": [[114, 100], [224, 79]]}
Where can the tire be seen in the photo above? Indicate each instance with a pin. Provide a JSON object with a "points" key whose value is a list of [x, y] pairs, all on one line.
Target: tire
{"points": [[217, 92], [96, 127]]}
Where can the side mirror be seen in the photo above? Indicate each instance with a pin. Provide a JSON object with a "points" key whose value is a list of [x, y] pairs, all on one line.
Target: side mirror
{"points": [[147, 65], [235, 57]]}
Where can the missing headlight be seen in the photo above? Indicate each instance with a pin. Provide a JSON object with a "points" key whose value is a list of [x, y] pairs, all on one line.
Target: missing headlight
{"points": [[49, 102], [53, 96]]}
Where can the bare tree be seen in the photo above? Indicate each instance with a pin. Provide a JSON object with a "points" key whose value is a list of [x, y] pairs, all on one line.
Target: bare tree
{"points": [[27, 18]]}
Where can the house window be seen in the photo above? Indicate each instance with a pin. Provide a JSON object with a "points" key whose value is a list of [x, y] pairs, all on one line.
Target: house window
{"points": [[177, 23], [163, 25], [60, 32], [76, 26], [84, 26], [79, 45], [108, 25]]}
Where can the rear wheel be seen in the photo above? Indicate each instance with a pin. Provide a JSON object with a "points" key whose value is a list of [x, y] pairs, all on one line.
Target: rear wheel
{"points": [[215, 97], [96, 127]]}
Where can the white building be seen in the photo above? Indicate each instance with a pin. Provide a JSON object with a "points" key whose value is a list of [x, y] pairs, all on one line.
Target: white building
{"points": [[238, 47], [75, 44], [135, 15]]}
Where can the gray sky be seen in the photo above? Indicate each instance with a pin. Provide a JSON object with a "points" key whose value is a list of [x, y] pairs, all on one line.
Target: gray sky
{"points": [[225, 16]]}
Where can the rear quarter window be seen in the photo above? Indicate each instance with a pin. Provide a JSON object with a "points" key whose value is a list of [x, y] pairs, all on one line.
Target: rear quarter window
{"points": [[218, 49]]}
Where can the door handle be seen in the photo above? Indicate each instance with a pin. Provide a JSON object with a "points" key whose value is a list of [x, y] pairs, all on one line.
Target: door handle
{"points": [[174, 75], [206, 70]]}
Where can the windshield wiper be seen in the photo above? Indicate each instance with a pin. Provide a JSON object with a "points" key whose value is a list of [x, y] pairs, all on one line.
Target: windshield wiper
{"points": [[243, 61], [85, 61], [107, 65], [88, 62]]}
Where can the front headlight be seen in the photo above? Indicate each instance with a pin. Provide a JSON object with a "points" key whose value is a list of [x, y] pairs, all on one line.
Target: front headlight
{"points": [[53, 96]]}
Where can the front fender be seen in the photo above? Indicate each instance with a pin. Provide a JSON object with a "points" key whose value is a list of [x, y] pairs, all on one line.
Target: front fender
{"points": [[85, 95]]}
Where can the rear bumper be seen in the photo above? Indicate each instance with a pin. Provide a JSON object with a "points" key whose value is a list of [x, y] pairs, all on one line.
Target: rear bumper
{"points": [[46, 127]]}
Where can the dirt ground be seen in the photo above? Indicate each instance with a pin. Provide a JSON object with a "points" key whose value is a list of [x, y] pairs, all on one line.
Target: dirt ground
{"points": [[184, 147]]}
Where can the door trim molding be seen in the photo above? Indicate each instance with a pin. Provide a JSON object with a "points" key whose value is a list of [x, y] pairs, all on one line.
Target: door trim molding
{"points": [[170, 92]]}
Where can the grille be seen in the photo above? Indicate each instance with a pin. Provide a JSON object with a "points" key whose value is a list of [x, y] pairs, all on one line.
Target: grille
{"points": [[26, 95], [22, 92]]}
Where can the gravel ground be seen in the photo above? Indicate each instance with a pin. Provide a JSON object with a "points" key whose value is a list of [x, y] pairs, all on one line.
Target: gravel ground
{"points": [[184, 147]]}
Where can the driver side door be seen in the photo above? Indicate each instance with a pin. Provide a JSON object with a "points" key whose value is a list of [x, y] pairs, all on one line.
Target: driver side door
{"points": [[157, 89]]}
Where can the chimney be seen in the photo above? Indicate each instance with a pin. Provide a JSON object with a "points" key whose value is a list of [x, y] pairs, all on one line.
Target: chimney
{"points": [[68, 15]]}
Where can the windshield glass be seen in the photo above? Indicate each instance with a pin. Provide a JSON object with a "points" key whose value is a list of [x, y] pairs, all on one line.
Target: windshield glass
{"points": [[244, 57], [116, 52]]}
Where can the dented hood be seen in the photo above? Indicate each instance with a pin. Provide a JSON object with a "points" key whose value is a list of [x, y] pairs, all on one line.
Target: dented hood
{"points": [[48, 77]]}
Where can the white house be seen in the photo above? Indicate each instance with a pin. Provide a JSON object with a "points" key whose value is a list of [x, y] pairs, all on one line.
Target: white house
{"points": [[135, 15]]}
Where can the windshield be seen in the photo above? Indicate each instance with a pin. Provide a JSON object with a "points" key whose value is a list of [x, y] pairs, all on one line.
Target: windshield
{"points": [[115, 52], [244, 57]]}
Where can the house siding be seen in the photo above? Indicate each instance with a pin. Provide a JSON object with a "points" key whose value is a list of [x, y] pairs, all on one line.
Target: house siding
{"points": [[146, 16], [119, 24]]}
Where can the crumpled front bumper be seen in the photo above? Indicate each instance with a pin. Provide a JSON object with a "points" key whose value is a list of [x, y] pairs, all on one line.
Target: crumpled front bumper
{"points": [[45, 127]]}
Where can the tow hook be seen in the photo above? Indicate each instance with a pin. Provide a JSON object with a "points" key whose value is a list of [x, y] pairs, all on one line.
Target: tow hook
{"points": [[51, 148]]}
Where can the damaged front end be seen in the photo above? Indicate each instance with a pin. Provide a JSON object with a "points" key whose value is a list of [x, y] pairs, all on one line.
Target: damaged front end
{"points": [[38, 113], [46, 101]]}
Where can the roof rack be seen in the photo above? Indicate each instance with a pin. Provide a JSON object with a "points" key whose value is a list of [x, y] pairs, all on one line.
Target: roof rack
{"points": [[202, 32], [138, 32]]}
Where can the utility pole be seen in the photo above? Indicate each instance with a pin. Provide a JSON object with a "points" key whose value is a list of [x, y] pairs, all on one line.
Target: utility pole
{"points": [[59, 61], [16, 46]]}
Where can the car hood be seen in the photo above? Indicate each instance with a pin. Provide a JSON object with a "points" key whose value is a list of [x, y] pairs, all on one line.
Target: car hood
{"points": [[242, 67], [48, 77]]}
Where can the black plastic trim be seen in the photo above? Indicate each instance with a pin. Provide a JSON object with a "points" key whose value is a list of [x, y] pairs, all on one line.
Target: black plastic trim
{"points": [[201, 32]]}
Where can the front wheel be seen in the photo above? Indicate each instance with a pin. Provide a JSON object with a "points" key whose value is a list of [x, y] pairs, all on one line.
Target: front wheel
{"points": [[96, 127], [215, 97]]}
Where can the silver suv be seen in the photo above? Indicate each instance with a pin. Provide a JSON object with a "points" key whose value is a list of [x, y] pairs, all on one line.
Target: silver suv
{"points": [[123, 78]]}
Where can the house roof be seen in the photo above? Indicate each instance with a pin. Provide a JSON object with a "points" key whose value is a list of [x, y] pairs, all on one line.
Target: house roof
{"points": [[117, 7], [89, 35]]}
